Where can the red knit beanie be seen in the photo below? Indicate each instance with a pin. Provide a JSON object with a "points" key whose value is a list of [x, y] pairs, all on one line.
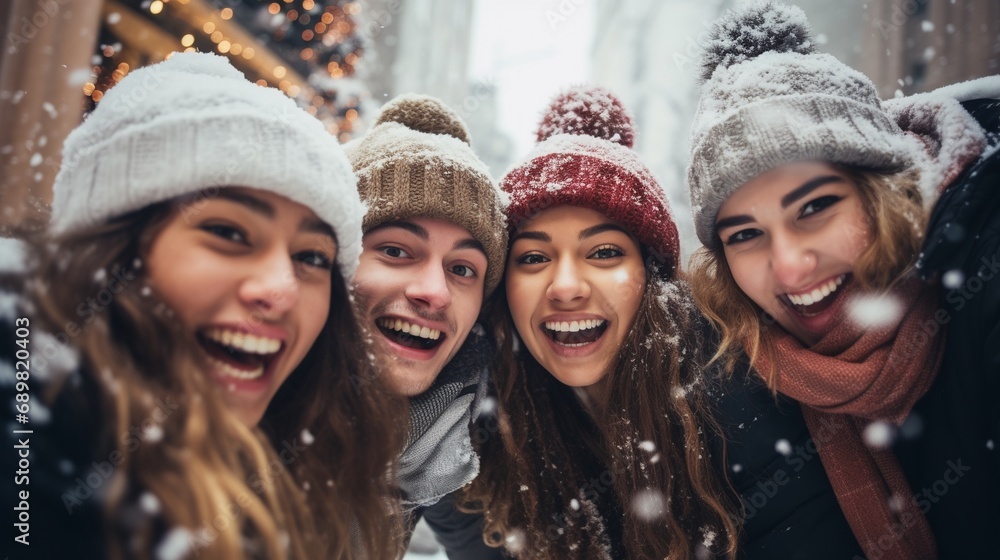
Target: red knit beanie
{"points": [[584, 158]]}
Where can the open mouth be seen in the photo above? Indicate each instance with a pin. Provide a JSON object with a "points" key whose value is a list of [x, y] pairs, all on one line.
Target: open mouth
{"points": [[409, 334], [237, 354], [818, 300], [575, 334]]}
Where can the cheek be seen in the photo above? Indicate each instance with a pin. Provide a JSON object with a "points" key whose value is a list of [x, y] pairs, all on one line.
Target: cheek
{"points": [[752, 279], [314, 310], [522, 299], [628, 287], [858, 239]]}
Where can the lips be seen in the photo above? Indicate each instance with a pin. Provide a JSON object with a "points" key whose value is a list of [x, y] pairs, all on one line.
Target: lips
{"points": [[409, 334], [238, 355], [575, 334]]}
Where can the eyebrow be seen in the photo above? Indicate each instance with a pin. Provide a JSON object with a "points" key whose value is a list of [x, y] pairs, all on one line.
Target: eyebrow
{"points": [[732, 221], [469, 243], [251, 202], [786, 201], [533, 235], [808, 187], [588, 232], [411, 227], [265, 209], [601, 228]]}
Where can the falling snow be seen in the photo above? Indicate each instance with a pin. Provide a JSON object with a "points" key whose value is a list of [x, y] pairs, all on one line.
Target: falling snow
{"points": [[783, 446], [307, 437], [874, 311], [649, 504], [878, 435], [176, 545]]}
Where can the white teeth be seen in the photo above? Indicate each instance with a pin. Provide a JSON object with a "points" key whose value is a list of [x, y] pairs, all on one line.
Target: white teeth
{"points": [[819, 293], [231, 371], [244, 342], [410, 329], [575, 326]]}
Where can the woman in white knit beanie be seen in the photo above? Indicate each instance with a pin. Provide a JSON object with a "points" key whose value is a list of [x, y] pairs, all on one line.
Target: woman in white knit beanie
{"points": [[204, 234], [821, 263]]}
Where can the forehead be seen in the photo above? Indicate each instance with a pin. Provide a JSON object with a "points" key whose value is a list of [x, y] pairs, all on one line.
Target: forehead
{"points": [[560, 217]]}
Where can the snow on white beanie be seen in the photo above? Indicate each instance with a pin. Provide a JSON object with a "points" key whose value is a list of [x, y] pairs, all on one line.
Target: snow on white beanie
{"points": [[769, 99], [417, 162], [584, 158], [190, 125]]}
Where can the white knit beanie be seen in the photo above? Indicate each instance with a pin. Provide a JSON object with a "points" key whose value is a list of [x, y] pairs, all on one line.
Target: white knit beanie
{"points": [[192, 124], [770, 100]]}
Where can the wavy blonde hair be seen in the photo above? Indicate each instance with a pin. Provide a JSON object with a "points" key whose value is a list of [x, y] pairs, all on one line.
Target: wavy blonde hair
{"points": [[213, 476], [892, 203]]}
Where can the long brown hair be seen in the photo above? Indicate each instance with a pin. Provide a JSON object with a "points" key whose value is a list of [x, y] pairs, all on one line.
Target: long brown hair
{"points": [[307, 483], [557, 470], [892, 203]]}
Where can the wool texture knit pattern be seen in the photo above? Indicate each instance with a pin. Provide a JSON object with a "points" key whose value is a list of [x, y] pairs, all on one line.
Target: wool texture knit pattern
{"points": [[439, 457], [770, 100], [584, 158], [189, 126], [416, 162]]}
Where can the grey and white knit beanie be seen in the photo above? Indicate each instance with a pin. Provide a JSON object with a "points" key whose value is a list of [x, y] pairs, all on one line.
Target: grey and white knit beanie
{"points": [[190, 125], [768, 99]]}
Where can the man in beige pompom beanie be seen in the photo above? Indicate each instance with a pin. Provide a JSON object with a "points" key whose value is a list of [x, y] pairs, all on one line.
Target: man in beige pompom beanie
{"points": [[434, 246]]}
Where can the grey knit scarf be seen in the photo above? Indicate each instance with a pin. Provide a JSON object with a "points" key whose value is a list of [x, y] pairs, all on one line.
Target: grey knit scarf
{"points": [[439, 457]]}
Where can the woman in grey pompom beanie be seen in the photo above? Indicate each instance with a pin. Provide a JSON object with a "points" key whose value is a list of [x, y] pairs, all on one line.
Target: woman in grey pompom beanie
{"points": [[807, 193], [195, 290]]}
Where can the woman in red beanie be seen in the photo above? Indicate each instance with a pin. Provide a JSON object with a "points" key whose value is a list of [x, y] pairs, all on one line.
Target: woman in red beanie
{"points": [[607, 446]]}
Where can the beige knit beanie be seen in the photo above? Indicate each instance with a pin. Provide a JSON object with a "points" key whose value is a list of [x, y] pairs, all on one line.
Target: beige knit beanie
{"points": [[769, 99], [417, 162]]}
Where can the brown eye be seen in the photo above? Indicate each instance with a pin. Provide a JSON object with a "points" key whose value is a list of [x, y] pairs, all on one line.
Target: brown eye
{"points": [[742, 235], [818, 205], [531, 258], [608, 252], [229, 233]]}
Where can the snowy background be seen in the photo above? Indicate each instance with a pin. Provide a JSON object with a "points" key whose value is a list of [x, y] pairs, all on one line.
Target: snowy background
{"points": [[522, 52]]}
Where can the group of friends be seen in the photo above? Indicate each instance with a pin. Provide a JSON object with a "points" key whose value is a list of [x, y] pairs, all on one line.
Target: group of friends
{"points": [[249, 341]]}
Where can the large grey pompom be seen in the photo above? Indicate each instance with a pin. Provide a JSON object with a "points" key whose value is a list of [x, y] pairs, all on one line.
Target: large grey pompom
{"points": [[752, 30]]}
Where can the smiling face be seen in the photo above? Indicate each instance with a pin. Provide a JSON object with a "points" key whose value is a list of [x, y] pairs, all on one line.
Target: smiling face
{"points": [[419, 287], [248, 274], [574, 283], [791, 238]]}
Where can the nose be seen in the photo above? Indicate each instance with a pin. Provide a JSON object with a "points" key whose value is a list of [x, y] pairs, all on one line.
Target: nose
{"points": [[567, 283], [428, 287], [271, 286], [793, 260]]}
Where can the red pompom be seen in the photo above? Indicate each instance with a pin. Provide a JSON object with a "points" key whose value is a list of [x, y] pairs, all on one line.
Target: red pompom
{"points": [[588, 111]]}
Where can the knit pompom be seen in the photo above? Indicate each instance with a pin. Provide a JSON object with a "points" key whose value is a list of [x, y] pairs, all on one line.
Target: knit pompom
{"points": [[588, 111], [424, 114], [754, 29]]}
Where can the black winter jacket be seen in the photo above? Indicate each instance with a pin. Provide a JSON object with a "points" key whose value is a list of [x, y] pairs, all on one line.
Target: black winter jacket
{"points": [[948, 446], [789, 508]]}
